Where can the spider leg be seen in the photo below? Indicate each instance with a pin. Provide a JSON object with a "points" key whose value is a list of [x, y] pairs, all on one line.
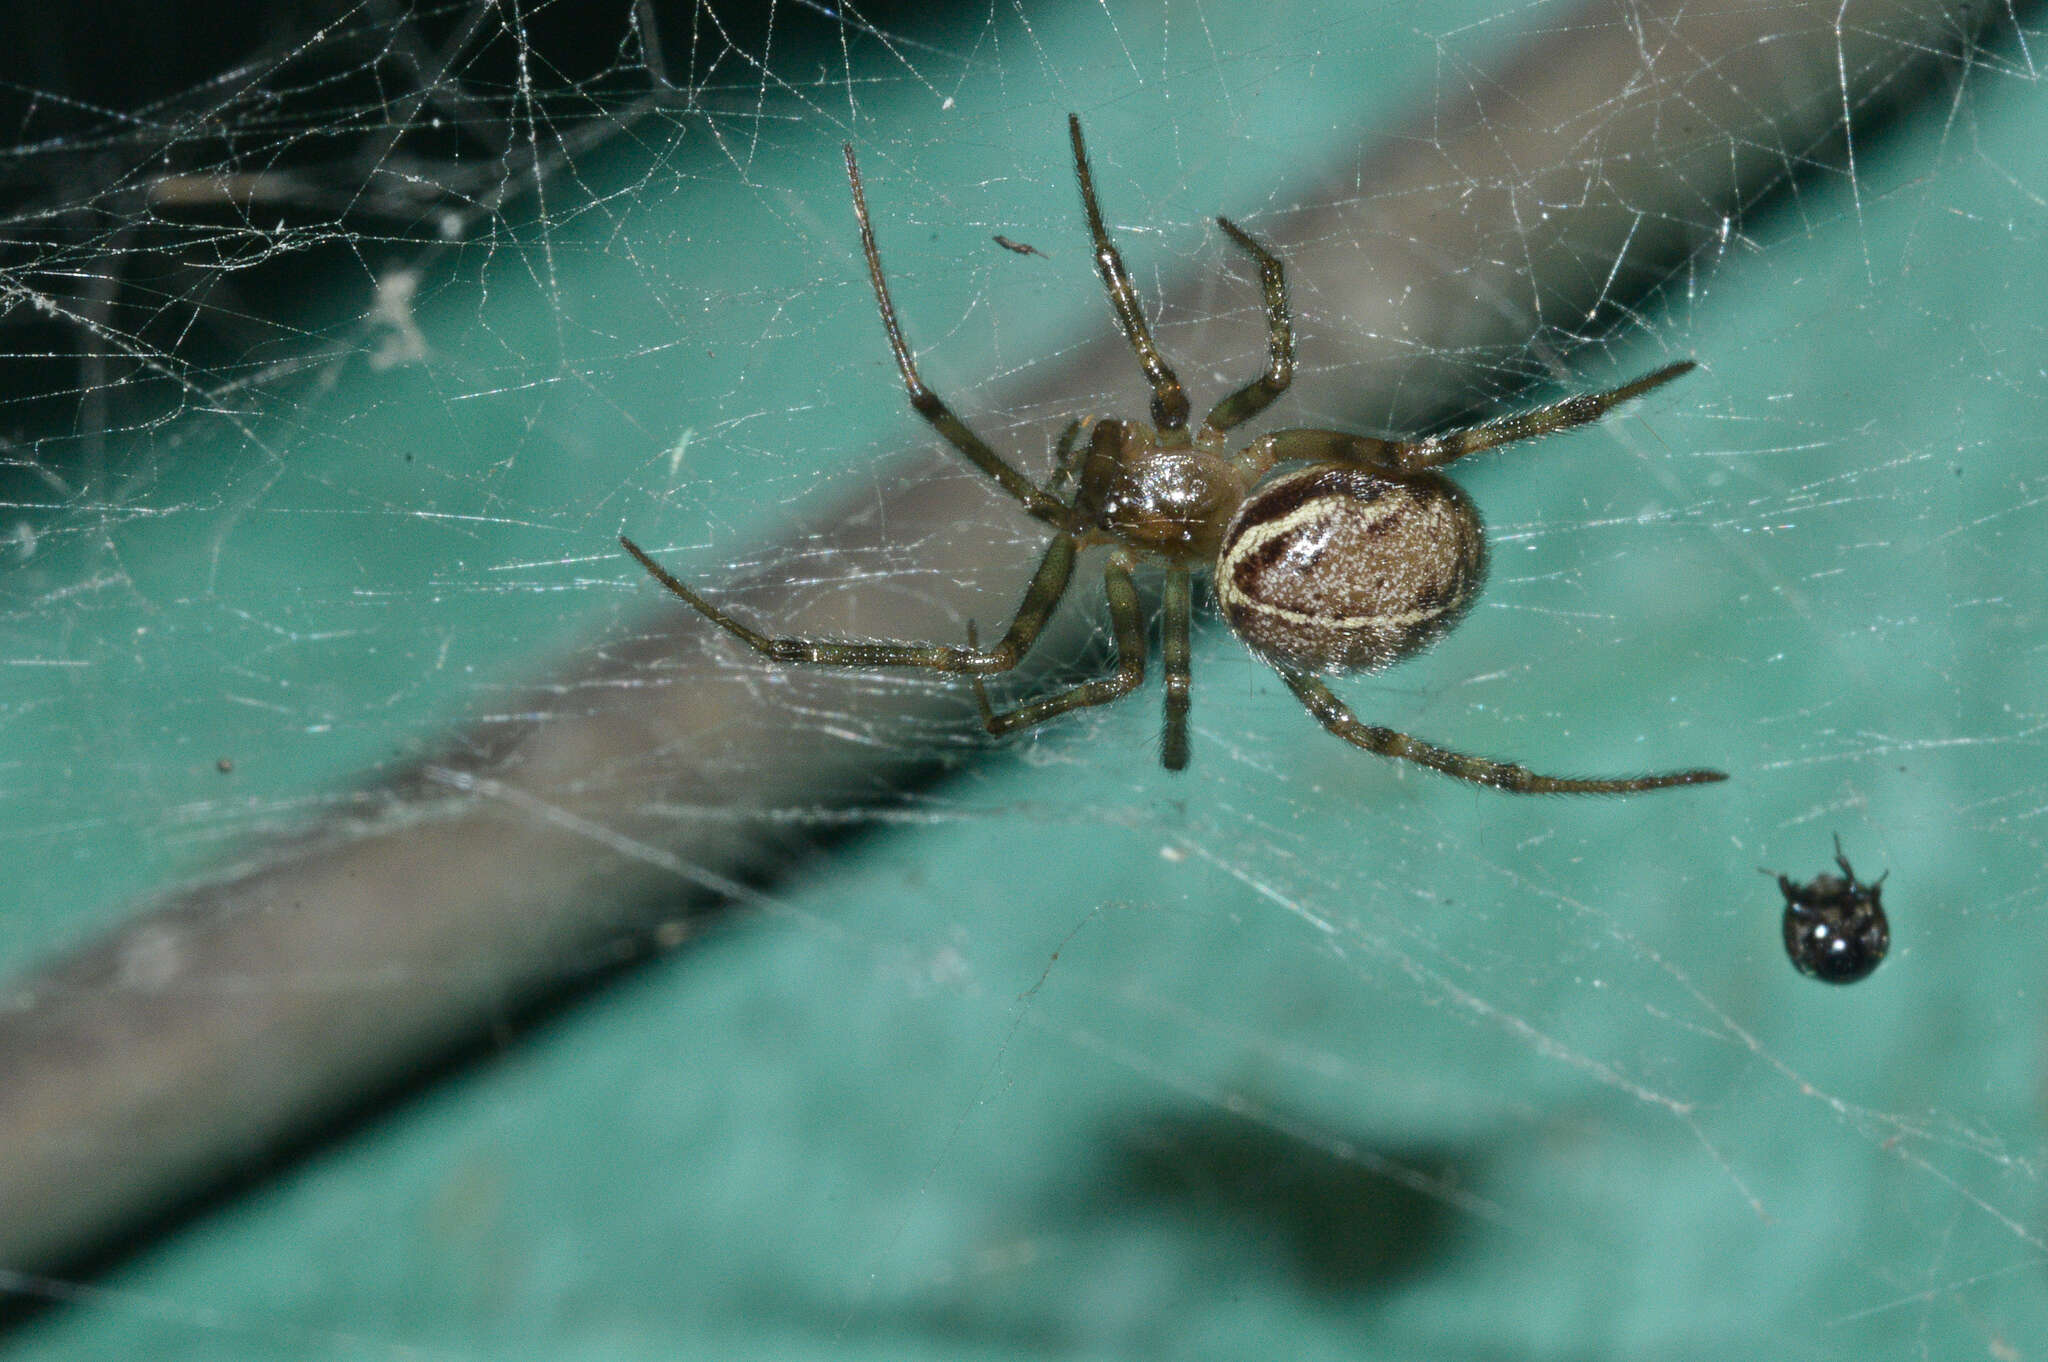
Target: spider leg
{"points": [[1303, 445], [1066, 457], [1169, 400], [1255, 396], [1129, 626], [1332, 714], [1575, 410], [1412, 456], [1048, 585], [923, 399], [1176, 655]]}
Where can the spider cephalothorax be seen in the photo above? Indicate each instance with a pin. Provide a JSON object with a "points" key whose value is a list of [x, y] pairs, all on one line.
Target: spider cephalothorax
{"points": [[1365, 556]]}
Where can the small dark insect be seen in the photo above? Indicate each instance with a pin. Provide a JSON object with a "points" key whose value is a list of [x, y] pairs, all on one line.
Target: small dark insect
{"points": [[1363, 557], [1020, 247], [1835, 928]]}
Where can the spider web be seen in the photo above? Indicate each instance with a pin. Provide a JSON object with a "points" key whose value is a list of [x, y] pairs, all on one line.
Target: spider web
{"points": [[344, 344]]}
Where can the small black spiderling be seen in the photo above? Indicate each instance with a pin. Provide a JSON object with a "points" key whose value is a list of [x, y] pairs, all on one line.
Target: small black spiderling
{"points": [[1835, 928]]}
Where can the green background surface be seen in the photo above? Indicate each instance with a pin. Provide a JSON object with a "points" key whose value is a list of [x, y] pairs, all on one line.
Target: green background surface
{"points": [[1333, 1059]]}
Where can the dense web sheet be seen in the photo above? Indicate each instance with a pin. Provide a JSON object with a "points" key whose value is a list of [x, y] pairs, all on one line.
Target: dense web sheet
{"points": [[1038, 1050]]}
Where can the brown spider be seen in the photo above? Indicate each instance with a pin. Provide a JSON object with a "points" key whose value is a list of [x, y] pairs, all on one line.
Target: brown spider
{"points": [[1366, 556]]}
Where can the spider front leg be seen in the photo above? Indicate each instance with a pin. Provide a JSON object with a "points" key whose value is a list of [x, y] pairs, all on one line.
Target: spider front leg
{"points": [[1169, 399], [1335, 716], [1048, 585], [1255, 396], [1127, 622], [926, 402]]}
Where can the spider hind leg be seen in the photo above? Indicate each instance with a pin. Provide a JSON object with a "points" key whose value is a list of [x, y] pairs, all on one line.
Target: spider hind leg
{"points": [[1335, 716]]}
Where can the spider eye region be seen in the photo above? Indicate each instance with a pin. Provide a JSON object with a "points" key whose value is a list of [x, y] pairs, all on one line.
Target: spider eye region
{"points": [[1338, 569]]}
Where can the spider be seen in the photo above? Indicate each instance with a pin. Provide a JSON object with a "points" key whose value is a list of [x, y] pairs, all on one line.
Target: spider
{"points": [[1365, 556], [1835, 928]]}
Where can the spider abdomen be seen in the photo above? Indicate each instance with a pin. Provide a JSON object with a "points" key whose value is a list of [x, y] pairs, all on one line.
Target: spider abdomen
{"points": [[1337, 569]]}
